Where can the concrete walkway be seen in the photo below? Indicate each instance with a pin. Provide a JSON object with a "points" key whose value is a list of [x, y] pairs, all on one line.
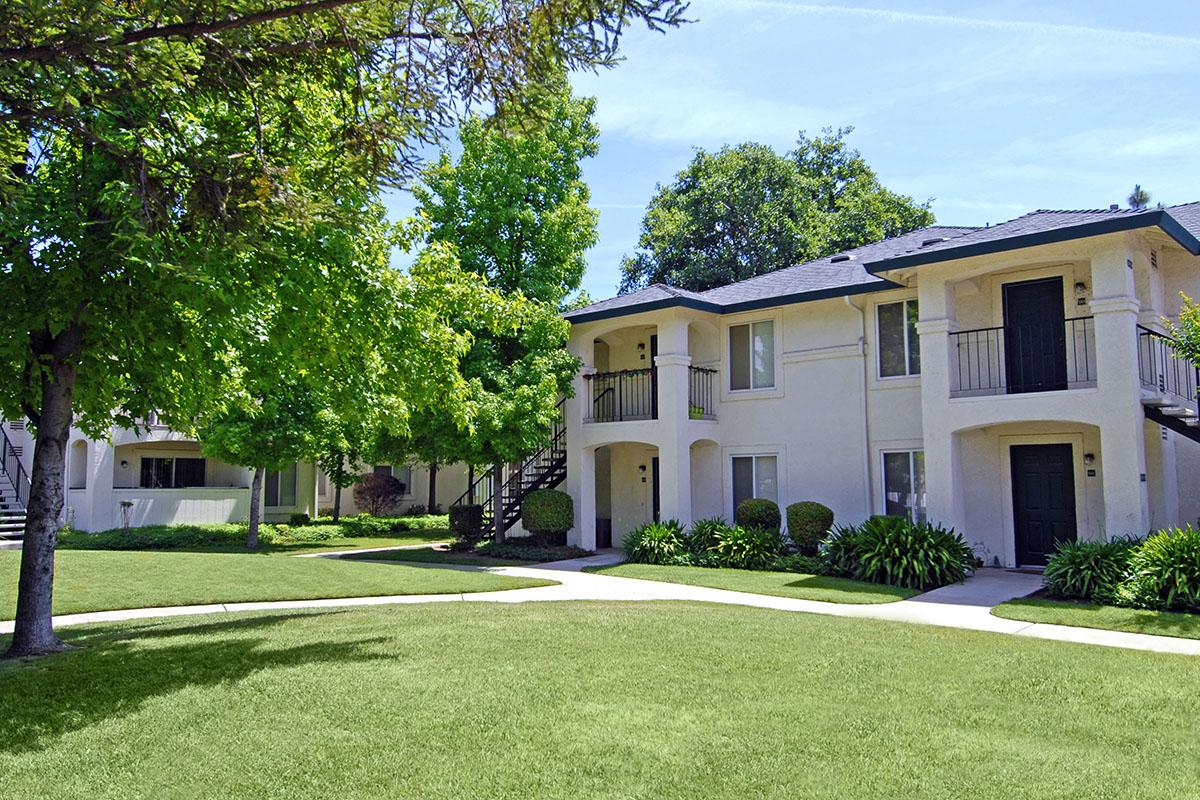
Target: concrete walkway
{"points": [[966, 606]]}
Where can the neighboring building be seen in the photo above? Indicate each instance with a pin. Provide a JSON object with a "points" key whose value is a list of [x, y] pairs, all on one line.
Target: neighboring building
{"points": [[1010, 381], [160, 477]]}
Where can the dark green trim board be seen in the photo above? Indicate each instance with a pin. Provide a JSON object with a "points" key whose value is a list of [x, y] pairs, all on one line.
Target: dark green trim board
{"points": [[1158, 217]]}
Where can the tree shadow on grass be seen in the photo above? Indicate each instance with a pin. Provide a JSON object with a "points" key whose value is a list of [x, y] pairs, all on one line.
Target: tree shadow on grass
{"points": [[115, 672], [830, 584]]}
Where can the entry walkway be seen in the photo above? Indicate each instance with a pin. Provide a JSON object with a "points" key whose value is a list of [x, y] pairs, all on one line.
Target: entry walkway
{"points": [[965, 606]]}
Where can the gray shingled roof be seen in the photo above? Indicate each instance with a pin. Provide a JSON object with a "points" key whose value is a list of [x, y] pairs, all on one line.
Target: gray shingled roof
{"points": [[834, 275]]}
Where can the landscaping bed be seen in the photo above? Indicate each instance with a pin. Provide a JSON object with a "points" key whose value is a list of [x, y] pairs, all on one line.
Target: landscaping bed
{"points": [[779, 584], [510, 554], [100, 580], [590, 700]]}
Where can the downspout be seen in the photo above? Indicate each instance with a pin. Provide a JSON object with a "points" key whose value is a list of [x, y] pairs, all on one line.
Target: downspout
{"points": [[866, 421]]}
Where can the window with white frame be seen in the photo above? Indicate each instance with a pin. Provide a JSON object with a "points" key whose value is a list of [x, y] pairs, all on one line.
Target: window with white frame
{"points": [[752, 355], [755, 476], [899, 344], [904, 484], [279, 489], [402, 473]]}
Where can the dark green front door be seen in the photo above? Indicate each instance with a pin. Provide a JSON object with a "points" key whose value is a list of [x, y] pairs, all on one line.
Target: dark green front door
{"points": [[1043, 478]]}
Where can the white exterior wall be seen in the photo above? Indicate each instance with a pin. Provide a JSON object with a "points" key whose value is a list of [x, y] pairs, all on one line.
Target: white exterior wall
{"points": [[451, 484]]}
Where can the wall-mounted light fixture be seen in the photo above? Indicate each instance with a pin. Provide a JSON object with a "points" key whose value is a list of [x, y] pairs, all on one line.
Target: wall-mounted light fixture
{"points": [[641, 467], [641, 346], [1089, 458], [1080, 288], [124, 465]]}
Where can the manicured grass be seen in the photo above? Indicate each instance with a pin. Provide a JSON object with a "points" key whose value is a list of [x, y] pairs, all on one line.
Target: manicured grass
{"points": [[591, 700], [101, 580], [779, 584], [1091, 615], [432, 555], [353, 533]]}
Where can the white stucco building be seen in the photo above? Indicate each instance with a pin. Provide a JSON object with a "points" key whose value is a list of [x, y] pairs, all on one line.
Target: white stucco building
{"points": [[1010, 381]]}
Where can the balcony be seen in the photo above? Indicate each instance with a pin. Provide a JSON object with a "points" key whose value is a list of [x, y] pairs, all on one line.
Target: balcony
{"points": [[632, 395], [1020, 359]]}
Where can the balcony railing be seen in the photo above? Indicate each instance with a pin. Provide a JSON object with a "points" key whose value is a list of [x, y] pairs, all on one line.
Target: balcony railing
{"points": [[1160, 371], [630, 394], [700, 393], [1016, 359]]}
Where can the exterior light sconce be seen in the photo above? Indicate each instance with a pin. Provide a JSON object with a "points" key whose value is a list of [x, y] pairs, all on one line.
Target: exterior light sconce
{"points": [[1089, 458], [641, 346], [641, 467], [124, 465], [1081, 293]]}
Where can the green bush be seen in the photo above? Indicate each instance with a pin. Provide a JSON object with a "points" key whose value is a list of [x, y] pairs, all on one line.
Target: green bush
{"points": [[704, 533], [366, 525], [747, 548], [299, 519], [548, 514], [1089, 570], [519, 551], [466, 523], [799, 562], [163, 537], [807, 524], [899, 552], [1164, 571], [656, 543], [758, 513]]}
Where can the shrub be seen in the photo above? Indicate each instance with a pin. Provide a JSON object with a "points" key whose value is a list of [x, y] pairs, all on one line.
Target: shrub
{"points": [[807, 525], [548, 514], [1088, 570], [1164, 571], [364, 525], [519, 551], [899, 552], [415, 510], [747, 548], [799, 562], [704, 534], [758, 513], [656, 543], [376, 493], [299, 519], [466, 522]]}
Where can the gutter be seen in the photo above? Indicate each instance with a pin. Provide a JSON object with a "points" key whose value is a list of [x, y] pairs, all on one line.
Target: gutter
{"points": [[866, 419]]}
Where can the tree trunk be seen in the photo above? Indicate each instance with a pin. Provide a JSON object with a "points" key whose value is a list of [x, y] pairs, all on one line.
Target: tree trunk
{"points": [[498, 500], [33, 632], [432, 507], [339, 473], [255, 509]]}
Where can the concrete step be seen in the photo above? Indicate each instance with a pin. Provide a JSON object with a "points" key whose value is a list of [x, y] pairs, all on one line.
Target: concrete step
{"points": [[10, 544], [1181, 412]]}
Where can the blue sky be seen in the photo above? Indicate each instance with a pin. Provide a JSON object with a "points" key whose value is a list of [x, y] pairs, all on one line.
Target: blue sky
{"points": [[990, 109]]}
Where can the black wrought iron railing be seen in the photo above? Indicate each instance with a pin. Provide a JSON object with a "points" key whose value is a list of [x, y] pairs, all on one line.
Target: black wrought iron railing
{"points": [[701, 404], [1015, 359], [13, 471], [630, 394], [1159, 370]]}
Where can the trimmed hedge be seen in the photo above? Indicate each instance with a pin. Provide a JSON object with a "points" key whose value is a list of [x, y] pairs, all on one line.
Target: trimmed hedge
{"points": [[807, 524], [516, 550], [758, 513], [548, 513]]}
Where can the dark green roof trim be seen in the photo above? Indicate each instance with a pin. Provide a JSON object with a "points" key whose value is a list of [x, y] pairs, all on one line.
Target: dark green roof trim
{"points": [[734, 308], [1117, 224]]}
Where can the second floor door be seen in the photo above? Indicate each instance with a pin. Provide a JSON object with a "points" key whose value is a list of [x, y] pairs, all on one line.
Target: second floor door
{"points": [[1035, 339]]}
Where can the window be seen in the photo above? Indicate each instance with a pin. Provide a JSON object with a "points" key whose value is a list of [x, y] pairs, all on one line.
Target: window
{"points": [[904, 485], [899, 344], [755, 476], [171, 473], [280, 488], [382, 469], [752, 356], [404, 475]]}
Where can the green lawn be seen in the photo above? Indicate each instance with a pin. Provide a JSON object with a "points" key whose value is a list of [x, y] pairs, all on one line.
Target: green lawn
{"points": [[779, 584], [96, 580], [1090, 615], [430, 555], [591, 700]]}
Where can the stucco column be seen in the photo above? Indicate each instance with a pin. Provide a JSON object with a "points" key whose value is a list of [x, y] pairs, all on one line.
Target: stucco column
{"points": [[675, 481], [100, 504], [1122, 420], [943, 485], [581, 485]]}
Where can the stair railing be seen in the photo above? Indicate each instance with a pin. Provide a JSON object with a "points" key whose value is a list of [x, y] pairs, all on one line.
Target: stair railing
{"points": [[12, 469]]}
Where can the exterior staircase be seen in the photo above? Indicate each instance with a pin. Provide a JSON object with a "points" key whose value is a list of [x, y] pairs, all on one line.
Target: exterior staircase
{"points": [[545, 469], [1170, 386], [14, 494]]}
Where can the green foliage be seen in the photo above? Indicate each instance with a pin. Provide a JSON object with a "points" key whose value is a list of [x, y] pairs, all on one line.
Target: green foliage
{"points": [[747, 548], [799, 562], [656, 543], [1089, 570], [747, 210], [299, 519], [704, 534], [1164, 571], [466, 522], [548, 511], [516, 550], [759, 513], [376, 493], [898, 552], [364, 525], [808, 523], [1186, 335]]}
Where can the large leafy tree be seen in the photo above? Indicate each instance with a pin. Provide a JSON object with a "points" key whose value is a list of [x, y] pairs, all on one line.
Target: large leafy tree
{"points": [[148, 147], [747, 210]]}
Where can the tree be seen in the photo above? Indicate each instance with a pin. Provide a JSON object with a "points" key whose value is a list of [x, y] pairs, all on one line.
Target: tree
{"points": [[149, 147], [378, 493], [747, 210], [1186, 334], [1139, 198]]}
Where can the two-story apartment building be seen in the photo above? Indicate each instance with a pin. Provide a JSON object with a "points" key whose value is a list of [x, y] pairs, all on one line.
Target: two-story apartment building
{"points": [[1012, 381]]}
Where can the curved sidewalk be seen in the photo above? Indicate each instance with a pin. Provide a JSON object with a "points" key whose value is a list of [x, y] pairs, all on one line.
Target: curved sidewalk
{"points": [[965, 606]]}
